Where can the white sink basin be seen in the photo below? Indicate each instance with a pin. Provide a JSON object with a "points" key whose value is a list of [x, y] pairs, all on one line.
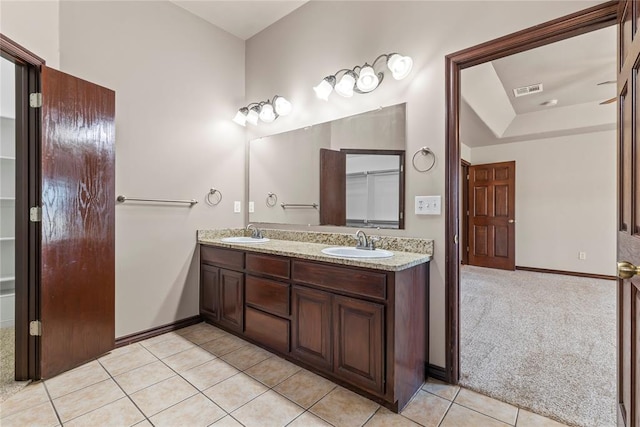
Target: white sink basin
{"points": [[351, 252], [241, 239]]}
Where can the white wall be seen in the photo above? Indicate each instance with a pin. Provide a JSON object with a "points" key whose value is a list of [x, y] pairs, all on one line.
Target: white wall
{"points": [[316, 40], [565, 200], [178, 81]]}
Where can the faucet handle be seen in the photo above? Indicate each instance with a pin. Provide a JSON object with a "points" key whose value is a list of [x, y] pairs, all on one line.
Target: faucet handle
{"points": [[372, 241]]}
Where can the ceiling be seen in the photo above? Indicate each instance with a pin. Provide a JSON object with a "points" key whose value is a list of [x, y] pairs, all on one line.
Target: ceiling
{"points": [[243, 19]]}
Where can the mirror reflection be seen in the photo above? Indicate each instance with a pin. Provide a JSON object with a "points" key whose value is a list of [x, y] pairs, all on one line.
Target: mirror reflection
{"points": [[347, 172]]}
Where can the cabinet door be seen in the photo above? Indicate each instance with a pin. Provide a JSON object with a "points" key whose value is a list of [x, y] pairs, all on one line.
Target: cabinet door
{"points": [[311, 327], [358, 343], [231, 299], [209, 291]]}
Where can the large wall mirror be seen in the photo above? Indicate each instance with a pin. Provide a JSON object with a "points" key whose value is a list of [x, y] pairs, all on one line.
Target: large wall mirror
{"points": [[347, 172]]}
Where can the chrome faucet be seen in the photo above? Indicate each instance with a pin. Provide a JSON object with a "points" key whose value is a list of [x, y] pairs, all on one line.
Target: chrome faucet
{"points": [[364, 242], [256, 233]]}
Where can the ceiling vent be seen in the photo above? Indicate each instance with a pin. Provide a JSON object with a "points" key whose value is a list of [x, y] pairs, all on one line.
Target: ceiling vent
{"points": [[527, 90]]}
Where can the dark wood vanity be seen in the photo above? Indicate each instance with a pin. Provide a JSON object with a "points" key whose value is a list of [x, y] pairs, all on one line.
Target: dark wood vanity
{"points": [[363, 328]]}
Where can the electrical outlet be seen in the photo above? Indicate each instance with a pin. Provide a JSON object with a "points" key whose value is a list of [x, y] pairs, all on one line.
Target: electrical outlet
{"points": [[428, 205], [582, 255], [237, 206], [252, 207]]}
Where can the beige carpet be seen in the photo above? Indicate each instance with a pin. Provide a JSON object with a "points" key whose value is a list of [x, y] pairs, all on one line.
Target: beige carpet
{"points": [[7, 356], [544, 342]]}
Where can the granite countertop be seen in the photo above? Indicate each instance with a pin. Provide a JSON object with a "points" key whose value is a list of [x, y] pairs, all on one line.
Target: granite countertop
{"points": [[312, 251]]}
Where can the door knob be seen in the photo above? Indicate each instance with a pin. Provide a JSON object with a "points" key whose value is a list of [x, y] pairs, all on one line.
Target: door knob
{"points": [[511, 221], [626, 270]]}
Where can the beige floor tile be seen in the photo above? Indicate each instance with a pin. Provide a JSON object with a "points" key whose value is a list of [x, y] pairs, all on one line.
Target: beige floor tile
{"points": [[175, 344], [529, 419], [273, 371], [224, 345], [159, 397], [344, 408], [209, 373], [426, 408], [193, 412], [84, 376], [234, 392], [204, 334], [459, 416], [442, 389], [143, 377], [247, 356], [121, 413], [82, 401], [227, 421], [386, 418], [488, 406], [268, 409], [120, 351], [305, 388], [196, 327], [158, 339], [128, 361], [188, 359], [41, 415], [144, 423], [308, 420], [30, 396]]}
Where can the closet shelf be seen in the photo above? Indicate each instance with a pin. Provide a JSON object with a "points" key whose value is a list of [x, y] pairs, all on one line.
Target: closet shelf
{"points": [[7, 239], [7, 279], [8, 158]]}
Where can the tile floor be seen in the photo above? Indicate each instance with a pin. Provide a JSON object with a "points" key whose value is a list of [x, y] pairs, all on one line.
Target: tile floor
{"points": [[201, 376]]}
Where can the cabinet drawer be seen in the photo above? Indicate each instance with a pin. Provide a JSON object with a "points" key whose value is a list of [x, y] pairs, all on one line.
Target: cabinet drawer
{"points": [[267, 295], [269, 330], [341, 279], [224, 257], [268, 265]]}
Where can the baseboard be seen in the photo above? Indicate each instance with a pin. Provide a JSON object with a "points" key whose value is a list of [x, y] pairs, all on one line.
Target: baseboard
{"points": [[437, 372], [143, 335], [567, 273]]}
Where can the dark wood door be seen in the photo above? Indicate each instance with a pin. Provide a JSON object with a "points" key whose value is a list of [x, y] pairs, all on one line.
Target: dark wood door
{"points": [[492, 196], [333, 187], [629, 216], [77, 288], [311, 327], [231, 299], [358, 342], [209, 291]]}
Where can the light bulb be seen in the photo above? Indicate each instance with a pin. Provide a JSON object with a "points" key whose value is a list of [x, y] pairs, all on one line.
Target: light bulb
{"points": [[282, 105], [267, 114], [345, 85], [400, 66], [241, 116], [368, 80], [324, 89], [253, 115]]}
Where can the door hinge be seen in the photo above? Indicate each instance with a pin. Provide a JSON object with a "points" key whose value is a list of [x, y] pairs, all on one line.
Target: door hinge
{"points": [[467, 248], [35, 328], [401, 168], [467, 176], [401, 215], [35, 214], [35, 100]]}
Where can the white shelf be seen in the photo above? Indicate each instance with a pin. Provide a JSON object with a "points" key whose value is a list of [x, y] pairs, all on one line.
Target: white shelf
{"points": [[7, 279], [7, 239], [8, 158], [7, 199]]}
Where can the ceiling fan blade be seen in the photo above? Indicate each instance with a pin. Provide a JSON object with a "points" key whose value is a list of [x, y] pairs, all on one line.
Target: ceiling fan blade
{"points": [[609, 101]]}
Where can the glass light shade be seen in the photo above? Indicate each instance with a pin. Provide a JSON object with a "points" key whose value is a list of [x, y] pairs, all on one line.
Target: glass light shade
{"points": [[400, 66], [324, 89], [241, 116], [253, 115], [368, 80], [283, 106], [267, 114], [345, 85]]}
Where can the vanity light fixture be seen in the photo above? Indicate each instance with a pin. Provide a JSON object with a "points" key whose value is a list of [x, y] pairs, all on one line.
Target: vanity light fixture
{"points": [[267, 111], [363, 78]]}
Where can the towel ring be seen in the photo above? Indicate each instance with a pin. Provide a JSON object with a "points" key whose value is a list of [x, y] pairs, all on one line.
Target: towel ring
{"points": [[271, 200], [425, 151], [211, 193]]}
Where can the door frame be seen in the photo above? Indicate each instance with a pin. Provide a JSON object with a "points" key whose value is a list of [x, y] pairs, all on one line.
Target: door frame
{"points": [[28, 120], [591, 19]]}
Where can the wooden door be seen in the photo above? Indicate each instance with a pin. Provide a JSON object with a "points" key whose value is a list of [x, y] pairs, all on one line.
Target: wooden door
{"points": [[311, 327], [77, 288], [333, 187], [492, 196], [629, 216], [231, 299], [209, 291], [358, 342]]}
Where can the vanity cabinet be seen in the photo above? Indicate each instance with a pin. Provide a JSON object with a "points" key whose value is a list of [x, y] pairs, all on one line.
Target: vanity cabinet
{"points": [[363, 328]]}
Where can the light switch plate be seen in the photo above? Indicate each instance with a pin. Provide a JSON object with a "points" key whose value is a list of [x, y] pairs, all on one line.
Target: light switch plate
{"points": [[428, 205], [252, 207], [237, 206]]}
